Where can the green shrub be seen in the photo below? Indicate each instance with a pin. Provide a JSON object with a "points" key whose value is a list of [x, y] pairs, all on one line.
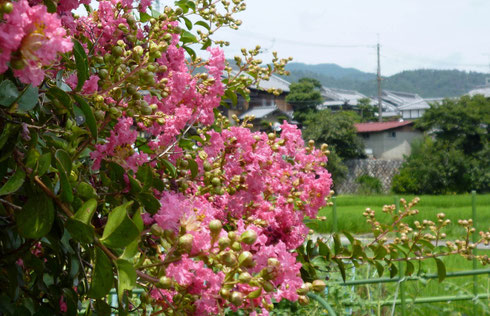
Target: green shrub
{"points": [[369, 185]]}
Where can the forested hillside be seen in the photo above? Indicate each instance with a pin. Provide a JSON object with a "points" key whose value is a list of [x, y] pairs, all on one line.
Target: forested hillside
{"points": [[426, 82]]}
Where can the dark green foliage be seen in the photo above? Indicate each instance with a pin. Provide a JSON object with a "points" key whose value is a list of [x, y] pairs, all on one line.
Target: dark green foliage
{"points": [[304, 96], [458, 159], [367, 111], [425, 82], [338, 131], [369, 185]]}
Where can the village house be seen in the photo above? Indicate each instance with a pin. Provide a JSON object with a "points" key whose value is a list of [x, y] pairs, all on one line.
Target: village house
{"points": [[260, 98], [340, 99], [388, 140], [403, 104]]}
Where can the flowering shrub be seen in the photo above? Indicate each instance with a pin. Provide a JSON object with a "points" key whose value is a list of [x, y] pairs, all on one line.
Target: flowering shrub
{"points": [[117, 170]]}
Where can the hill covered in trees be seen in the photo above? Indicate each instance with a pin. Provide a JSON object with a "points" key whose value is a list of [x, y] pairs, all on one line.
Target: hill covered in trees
{"points": [[426, 82]]}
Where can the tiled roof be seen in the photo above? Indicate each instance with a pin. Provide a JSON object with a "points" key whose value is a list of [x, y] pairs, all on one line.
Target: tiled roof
{"points": [[262, 112], [379, 126], [347, 96], [485, 91], [417, 105], [274, 82]]}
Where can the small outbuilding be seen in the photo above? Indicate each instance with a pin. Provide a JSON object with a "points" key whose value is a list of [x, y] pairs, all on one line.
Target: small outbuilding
{"points": [[388, 140]]}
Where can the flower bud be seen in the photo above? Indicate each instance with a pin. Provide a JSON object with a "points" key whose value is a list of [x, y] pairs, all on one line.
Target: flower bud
{"points": [[318, 286], [225, 293], [215, 226], [303, 290], [232, 235], [156, 230], [117, 51], [236, 246], [255, 294], [224, 242], [248, 237], [246, 259], [164, 282], [185, 242], [7, 7], [244, 277], [229, 259], [303, 300], [268, 286], [273, 262], [236, 298]]}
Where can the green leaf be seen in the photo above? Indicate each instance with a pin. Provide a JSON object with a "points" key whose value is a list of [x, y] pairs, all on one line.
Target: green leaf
{"points": [[194, 168], [183, 5], [145, 175], [14, 182], [8, 130], [169, 167], [393, 270], [44, 163], [89, 115], [60, 95], [191, 5], [63, 164], [186, 143], [151, 204], [349, 237], [379, 268], [32, 158], [86, 211], [187, 22], [426, 243], [410, 268], [80, 231], [8, 93], [441, 269], [126, 277], [380, 252], [135, 186], [144, 17], [190, 51], [323, 249], [81, 63], [132, 249], [341, 268], [102, 308], [29, 98], [120, 230], [36, 217], [102, 277], [203, 24], [337, 243], [206, 44], [116, 173], [232, 96]]}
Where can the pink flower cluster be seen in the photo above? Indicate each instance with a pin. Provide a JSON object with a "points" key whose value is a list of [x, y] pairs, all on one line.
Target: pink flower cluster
{"points": [[270, 173], [31, 38]]}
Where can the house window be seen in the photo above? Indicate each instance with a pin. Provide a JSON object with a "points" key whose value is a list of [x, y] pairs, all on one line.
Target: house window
{"points": [[392, 134], [365, 136]]}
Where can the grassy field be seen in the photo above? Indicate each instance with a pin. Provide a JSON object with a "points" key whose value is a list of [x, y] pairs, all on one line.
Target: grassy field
{"points": [[374, 293], [349, 214], [351, 207]]}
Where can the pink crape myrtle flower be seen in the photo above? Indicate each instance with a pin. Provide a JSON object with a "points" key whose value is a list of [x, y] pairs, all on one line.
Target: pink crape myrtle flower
{"points": [[36, 35]]}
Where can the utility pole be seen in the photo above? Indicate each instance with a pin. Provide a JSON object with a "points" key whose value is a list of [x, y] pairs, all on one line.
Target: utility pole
{"points": [[380, 104]]}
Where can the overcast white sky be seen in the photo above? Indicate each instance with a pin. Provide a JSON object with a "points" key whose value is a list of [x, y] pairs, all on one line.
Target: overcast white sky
{"points": [[441, 34]]}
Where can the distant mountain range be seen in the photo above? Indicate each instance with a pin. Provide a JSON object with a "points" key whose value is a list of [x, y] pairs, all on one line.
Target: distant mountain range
{"points": [[428, 83]]}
